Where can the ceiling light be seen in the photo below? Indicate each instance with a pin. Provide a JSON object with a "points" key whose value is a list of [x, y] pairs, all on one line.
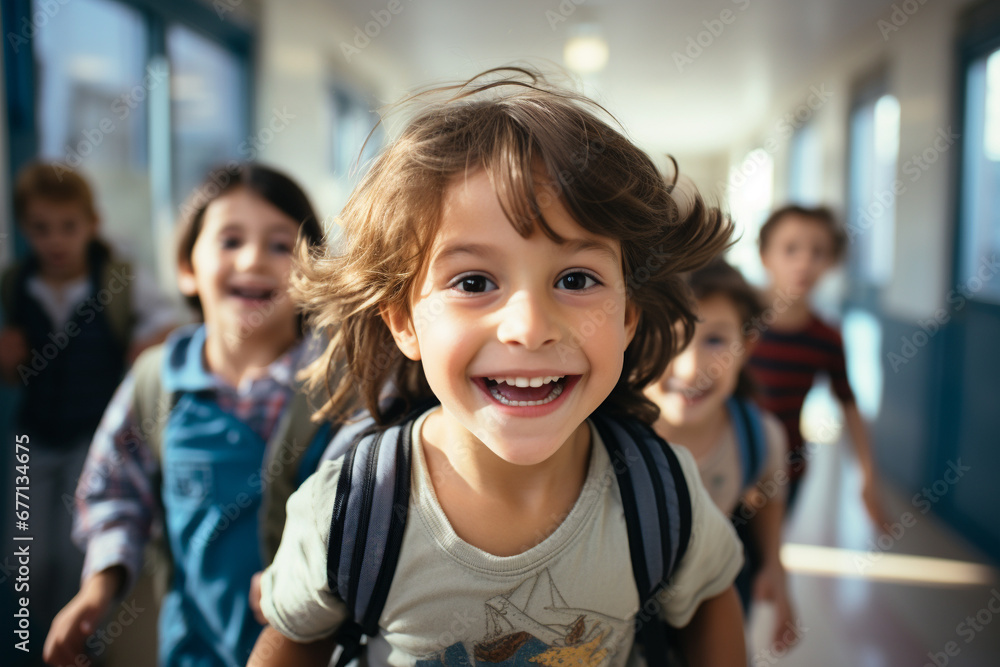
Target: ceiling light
{"points": [[586, 50]]}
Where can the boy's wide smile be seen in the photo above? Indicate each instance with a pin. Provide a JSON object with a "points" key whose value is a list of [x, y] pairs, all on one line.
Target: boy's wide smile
{"points": [[251, 294], [527, 395], [690, 394]]}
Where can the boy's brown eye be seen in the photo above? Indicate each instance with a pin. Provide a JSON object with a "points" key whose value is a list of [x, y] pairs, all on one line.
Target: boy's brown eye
{"points": [[473, 283], [576, 281]]}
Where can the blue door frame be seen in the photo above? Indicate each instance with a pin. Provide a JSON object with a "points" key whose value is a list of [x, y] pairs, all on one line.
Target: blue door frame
{"points": [[969, 427]]}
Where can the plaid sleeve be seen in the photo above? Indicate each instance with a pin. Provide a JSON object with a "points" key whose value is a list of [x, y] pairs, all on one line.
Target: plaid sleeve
{"points": [[115, 505]]}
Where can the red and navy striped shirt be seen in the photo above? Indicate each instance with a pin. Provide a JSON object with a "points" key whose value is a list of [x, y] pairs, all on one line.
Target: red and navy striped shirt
{"points": [[784, 365]]}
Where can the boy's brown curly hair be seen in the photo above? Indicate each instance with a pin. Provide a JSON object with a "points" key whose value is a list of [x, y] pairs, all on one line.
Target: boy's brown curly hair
{"points": [[534, 141]]}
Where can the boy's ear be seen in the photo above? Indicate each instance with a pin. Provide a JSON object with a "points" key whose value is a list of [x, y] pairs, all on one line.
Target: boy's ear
{"points": [[185, 279], [631, 322], [400, 324], [761, 254]]}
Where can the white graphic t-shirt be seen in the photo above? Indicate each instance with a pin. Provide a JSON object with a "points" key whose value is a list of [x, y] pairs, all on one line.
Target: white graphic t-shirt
{"points": [[570, 599], [722, 471]]}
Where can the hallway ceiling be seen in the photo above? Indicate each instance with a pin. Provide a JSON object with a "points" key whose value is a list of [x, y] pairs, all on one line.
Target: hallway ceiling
{"points": [[768, 48]]}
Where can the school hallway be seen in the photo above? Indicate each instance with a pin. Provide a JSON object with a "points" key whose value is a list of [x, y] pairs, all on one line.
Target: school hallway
{"points": [[865, 603], [885, 112]]}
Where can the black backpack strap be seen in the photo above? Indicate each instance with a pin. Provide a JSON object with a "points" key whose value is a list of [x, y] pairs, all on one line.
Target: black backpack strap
{"points": [[750, 439], [657, 507], [366, 529], [361, 423], [649, 477]]}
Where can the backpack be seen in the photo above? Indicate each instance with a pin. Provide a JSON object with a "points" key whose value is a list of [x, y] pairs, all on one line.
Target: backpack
{"points": [[751, 444], [372, 500], [750, 440]]}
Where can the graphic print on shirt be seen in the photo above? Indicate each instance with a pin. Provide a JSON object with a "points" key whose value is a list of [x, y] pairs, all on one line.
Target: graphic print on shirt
{"points": [[533, 625]]}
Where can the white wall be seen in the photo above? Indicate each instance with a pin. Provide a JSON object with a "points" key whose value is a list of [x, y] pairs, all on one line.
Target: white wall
{"points": [[922, 63], [299, 56]]}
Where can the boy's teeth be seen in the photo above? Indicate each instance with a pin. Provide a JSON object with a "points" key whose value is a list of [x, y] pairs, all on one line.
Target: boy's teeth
{"points": [[552, 395], [252, 293], [526, 382]]}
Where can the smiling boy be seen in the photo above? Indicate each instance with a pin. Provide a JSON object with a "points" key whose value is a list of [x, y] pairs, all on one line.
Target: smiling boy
{"points": [[474, 269]]}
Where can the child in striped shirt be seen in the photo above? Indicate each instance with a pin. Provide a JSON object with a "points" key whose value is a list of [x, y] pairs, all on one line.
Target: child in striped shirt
{"points": [[797, 246]]}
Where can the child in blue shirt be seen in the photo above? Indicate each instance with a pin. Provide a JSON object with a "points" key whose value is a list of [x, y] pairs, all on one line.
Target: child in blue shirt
{"points": [[199, 471]]}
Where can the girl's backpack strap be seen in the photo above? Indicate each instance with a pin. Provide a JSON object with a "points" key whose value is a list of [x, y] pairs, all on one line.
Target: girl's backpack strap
{"points": [[120, 314], [657, 506], [149, 403], [291, 446], [366, 529], [750, 440], [151, 407]]}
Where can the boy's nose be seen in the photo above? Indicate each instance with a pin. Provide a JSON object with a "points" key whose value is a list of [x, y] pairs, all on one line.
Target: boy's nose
{"points": [[530, 321], [684, 366], [251, 256]]}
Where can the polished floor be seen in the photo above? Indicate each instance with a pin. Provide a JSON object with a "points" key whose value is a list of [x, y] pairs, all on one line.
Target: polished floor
{"points": [[921, 597]]}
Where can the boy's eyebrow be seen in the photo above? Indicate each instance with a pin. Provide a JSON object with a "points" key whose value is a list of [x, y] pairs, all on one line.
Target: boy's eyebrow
{"points": [[283, 226], [269, 228], [582, 245], [573, 245], [464, 249]]}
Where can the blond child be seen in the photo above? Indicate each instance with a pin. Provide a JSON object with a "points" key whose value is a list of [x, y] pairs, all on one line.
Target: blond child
{"points": [[515, 258], [706, 405]]}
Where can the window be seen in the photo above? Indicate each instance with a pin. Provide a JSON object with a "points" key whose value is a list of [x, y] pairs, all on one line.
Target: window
{"points": [[805, 167], [863, 336], [142, 98], [207, 99], [91, 112], [750, 186], [871, 213], [352, 120], [980, 223]]}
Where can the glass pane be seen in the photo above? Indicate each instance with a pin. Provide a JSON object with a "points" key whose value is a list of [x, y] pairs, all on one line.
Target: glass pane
{"points": [[751, 196], [208, 106], [805, 172], [981, 181], [93, 87], [886, 122], [862, 334], [874, 143], [352, 121]]}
